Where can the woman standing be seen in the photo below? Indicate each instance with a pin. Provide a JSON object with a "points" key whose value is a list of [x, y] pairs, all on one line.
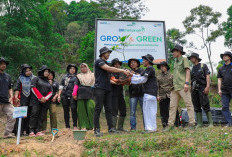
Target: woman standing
{"points": [[86, 103], [68, 95], [23, 96], [40, 100], [52, 107]]}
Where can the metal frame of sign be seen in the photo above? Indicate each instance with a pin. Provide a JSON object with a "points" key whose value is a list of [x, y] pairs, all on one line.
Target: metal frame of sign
{"points": [[96, 27]]}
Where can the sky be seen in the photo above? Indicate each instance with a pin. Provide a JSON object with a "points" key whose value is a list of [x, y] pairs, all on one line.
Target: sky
{"points": [[173, 12]]}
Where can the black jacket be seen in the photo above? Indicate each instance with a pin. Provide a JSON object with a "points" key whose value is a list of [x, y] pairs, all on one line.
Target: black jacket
{"points": [[136, 90]]}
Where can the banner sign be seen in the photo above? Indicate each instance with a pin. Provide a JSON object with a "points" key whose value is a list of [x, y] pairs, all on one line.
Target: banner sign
{"points": [[20, 112], [144, 37]]}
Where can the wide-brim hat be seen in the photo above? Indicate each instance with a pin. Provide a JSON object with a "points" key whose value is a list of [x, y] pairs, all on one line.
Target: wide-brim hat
{"points": [[71, 65], [133, 59], [149, 58], [24, 66], [196, 55], [104, 50], [115, 60], [4, 60], [226, 53], [178, 48], [163, 63], [42, 69]]}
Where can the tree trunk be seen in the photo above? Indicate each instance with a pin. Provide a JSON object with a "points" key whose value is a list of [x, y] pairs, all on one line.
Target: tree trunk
{"points": [[210, 62]]}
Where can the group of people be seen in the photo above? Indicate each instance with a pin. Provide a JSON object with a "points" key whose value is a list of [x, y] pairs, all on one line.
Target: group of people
{"points": [[86, 93]]}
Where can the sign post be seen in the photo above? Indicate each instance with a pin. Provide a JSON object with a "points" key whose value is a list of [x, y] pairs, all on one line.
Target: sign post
{"points": [[143, 37], [19, 112]]}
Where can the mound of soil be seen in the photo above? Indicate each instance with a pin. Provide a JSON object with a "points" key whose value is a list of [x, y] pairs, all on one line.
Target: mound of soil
{"points": [[63, 145]]}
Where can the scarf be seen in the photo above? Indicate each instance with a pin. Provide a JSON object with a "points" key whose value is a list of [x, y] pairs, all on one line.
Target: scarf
{"points": [[86, 79], [26, 84]]}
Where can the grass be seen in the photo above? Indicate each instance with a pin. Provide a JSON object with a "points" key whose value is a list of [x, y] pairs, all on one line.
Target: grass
{"points": [[178, 142]]}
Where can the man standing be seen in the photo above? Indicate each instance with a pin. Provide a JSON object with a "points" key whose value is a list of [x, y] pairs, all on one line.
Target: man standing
{"points": [[225, 85], [102, 90], [148, 79], [6, 98], [181, 79], [165, 86], [135, 92], [200, 77]]}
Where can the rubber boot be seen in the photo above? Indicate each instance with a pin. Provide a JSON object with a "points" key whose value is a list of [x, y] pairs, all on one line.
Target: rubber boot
{"points": [[121, 123], [114, 120], [199, 120], [209, 117]]}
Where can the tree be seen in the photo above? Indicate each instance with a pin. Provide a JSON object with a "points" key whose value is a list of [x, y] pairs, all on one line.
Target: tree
{"points": [[126, 9], [174, 36], [227, 27], [201, 23], [86, 51], [85, 13], [27, 36], [58, 9]]}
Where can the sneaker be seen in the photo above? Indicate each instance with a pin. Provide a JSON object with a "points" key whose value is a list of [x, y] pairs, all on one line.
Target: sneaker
{"points": [[113, 131], [39, 134], [9, 135], [32, 134], [97, 133]]}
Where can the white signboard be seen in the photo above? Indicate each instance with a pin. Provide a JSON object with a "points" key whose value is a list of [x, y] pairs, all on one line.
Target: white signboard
{"points": [[145, 37], [20, 112]]}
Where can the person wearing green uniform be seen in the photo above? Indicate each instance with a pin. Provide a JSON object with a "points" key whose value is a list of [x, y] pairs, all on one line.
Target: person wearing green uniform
{"points": [[86, 104]]}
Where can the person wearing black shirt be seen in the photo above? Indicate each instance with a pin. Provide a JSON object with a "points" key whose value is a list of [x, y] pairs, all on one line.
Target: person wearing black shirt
{"points": [[68, 94], [53, 100], [23, 96], [6, 98], [102, 90], [225, 85], [200, 77], [42, 92], [135, 92], [118, 102], [148, 79]]}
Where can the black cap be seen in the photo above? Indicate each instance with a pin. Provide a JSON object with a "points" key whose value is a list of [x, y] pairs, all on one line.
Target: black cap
{"points": [[149, 58], [133, 59], [116, 60], [179, 48], [196, 55], [104, 50], [163, 63], [226, 53], [4, 60]]}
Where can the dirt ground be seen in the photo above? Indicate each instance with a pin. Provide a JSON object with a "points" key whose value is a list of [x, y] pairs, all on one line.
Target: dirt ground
{"points": [[63, 145]]}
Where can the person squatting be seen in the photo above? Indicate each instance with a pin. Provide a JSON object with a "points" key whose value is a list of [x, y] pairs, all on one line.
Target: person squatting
{"points": [[85, 93]]}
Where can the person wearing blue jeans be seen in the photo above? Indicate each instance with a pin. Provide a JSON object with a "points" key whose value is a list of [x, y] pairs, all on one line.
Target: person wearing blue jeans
{"points": [[136, 93], [225, 86], [133, 106]]}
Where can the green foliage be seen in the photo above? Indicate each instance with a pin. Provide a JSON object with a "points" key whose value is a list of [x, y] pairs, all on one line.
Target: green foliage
{"points": [[86, 51], [126, 9], [227, 27], [123, 43]]}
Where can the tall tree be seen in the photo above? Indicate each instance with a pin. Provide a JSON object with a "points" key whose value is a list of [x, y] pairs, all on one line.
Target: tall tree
{"points": [[126, 9], [227, 26], [202, 23]]}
